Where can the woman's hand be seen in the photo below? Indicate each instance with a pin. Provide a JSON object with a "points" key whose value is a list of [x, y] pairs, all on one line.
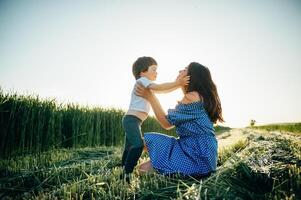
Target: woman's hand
{"points": [[141, 91], [156, 106]]}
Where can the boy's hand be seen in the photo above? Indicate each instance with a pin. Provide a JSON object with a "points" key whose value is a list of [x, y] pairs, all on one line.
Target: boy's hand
{"points": [[183, 80]]}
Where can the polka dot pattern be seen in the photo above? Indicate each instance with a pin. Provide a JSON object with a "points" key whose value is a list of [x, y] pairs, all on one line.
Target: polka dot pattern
{"points": [[194, 152]]}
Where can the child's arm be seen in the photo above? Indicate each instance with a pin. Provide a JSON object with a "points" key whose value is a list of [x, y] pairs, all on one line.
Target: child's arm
{"points": [[170, 86]]}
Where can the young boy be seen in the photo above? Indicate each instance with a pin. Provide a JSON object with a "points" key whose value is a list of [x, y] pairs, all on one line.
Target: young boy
{"points": [[144, 71]]}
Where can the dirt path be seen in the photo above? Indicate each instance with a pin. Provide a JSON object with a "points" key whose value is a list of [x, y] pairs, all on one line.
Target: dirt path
{"points": [[229, 138]]}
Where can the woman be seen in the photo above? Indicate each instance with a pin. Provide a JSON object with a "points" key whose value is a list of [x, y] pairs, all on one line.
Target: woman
{"points": [[194, 153]]}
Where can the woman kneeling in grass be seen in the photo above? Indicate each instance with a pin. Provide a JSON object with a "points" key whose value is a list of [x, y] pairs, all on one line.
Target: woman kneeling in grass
{"points": [[194, 153]]}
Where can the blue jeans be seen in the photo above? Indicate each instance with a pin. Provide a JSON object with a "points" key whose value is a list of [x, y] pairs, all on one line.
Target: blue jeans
{"points": [[133, 142]]}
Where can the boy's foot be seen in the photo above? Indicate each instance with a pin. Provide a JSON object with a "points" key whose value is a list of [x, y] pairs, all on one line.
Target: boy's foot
{"points": [[126, 177]]}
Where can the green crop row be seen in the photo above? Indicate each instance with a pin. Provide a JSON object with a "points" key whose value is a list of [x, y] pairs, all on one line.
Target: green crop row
{"points": [[31, 124]]}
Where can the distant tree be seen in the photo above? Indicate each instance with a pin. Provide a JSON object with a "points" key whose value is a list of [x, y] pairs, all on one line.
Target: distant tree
{"points": [[252, 122]]}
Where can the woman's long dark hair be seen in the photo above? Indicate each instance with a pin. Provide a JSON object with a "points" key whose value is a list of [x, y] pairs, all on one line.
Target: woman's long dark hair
{"points": [[201, 82]]}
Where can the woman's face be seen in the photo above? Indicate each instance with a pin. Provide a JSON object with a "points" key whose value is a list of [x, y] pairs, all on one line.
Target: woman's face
{"points": [[183, 72]]}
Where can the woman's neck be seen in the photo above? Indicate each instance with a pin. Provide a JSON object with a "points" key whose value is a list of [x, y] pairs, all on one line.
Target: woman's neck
{"points": [[191, 97]]}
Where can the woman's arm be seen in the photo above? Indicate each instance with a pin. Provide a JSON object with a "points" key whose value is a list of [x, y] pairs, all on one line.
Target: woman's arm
{"points": [[156, 106], [159, 112]]}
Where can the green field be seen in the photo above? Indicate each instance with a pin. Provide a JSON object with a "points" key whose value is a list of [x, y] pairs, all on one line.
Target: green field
{"points": [[264, 166], [284, 127], [30, 124], [54, 151]]}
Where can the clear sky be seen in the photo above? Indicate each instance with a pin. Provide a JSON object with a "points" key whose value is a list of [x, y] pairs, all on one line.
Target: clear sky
{"points": [[83, 51]]}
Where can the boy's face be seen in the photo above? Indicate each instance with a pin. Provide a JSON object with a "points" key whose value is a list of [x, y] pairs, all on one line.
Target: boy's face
{"points": [[151, 73]]}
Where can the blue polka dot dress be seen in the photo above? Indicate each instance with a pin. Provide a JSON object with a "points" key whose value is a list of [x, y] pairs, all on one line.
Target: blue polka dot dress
{"points": [[194, 152]]}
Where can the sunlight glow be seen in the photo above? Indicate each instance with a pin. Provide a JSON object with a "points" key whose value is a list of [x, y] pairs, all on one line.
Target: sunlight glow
{"points": [[82, 51]]}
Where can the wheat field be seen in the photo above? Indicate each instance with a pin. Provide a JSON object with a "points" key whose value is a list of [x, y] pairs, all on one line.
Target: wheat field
{"points": [[56, 151]]}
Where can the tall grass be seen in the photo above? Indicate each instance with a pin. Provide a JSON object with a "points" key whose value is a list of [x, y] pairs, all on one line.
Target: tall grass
{"points": [[30, 124]]}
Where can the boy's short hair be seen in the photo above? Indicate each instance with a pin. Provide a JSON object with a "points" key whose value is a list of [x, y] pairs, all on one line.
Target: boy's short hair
{"points": [[141, 65]]}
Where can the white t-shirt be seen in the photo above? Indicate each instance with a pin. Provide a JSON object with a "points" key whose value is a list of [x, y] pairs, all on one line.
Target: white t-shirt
{"points": [[139, 103]]}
